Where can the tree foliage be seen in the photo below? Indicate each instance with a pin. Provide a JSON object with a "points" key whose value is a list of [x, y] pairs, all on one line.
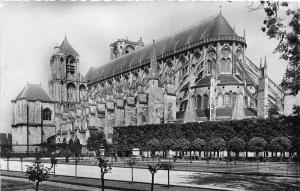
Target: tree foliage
{"points": [[138, 136], [37, 172], [257, 144], [167, 144], [182, 145], [217, 144], [236, 145], [154, 144], [280, 144], [96, 141], [198, 144], [285, 29]]}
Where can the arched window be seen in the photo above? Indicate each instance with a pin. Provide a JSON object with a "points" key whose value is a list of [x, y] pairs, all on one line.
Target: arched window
{"points": [[252, 103], [82, 91], [70, 66], [227, 100], [246, 101], [233, 99], [46, 114], [227, 65], [183, 105], [220, 100], [199, 100], [222, 65], [205, 102], [208, 66], [71, 92]]}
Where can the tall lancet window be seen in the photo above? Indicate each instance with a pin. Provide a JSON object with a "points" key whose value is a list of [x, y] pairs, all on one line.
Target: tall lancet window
{"points": [[46, 114], [227, 100], [199, 100], [205, 102], [222, 65], [234, 98], [71, 92], [220, 100], [70, 65]]}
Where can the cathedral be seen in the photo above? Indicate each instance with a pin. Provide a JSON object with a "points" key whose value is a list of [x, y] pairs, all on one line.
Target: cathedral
{"points": [[198, 74]]}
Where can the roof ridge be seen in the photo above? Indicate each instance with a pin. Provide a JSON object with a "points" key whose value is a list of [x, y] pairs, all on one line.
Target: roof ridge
{"points": [[166, 36]]}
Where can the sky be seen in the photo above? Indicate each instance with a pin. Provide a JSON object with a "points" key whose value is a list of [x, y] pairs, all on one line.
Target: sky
{"points": [[30, 30]]}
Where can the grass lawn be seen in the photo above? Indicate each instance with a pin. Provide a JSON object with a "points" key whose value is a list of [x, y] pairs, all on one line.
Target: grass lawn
{"points": [[28, 186]]}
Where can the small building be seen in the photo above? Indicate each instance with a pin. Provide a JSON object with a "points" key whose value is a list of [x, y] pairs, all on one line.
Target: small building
{"points": [[33, 118]]}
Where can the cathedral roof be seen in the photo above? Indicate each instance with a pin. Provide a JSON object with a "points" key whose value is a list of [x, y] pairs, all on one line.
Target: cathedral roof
{"points": [[223, 79], [211, 28], [66, 48], [33, 92]]}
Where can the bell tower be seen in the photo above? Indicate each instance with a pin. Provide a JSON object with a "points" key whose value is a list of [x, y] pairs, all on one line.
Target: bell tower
{"points": [[65, 78], [124, 46]]}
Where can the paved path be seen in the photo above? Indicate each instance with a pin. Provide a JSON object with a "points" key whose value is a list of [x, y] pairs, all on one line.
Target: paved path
{"points": [[181, 178], [92, 184]]}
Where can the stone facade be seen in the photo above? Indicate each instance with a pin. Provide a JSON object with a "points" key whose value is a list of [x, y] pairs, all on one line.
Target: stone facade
{"points": [[199, 74]]}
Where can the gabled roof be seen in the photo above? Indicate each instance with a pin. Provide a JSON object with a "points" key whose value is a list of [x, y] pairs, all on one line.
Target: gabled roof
{"points": [[66, 48], [33, 92], [213, 27], [223, 79]]}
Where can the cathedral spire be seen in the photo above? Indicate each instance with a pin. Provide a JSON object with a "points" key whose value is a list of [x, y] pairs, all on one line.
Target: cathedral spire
{"points": [[265, 63], [260, 63], [153, 64]]}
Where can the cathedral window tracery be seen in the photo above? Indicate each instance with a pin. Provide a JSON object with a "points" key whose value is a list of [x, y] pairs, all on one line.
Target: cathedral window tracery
{"points": [[205, 101], [71, 92], [234, 99], [70, 66], [198, 101], [220, 100], [46, 114], [227, 100]]}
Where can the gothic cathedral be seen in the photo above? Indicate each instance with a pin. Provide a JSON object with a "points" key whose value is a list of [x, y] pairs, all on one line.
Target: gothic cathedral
{"points": [[198, 74]]}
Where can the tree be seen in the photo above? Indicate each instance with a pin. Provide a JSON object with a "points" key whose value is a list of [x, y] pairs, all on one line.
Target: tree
{"points": [[95, 141], [280, 144], [288, 38], [75, 147], [37, 173], [273, 111], [167, 166], [181, 145], [296, 110], [199, 145], [153, 145], [104, 168], [236, 145], [217, 145], [153, 169], [167, 144], [131, 163], [257, 144]]}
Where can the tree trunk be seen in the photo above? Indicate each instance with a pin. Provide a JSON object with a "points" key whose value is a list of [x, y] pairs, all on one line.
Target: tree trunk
{"points": [[102, 182], [131, 174], [21, 164], [257, 161], [75, 169], [54, 169], [168, 178], [200, 155], [152, 183], [37, 186], [7, 163]]}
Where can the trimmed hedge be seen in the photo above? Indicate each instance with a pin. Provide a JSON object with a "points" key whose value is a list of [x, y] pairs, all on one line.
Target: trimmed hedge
{"points": [[139, 136]]}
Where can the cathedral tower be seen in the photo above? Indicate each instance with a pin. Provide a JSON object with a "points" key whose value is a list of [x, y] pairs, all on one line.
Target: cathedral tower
{"points": [[124, 46], [66, 85]]}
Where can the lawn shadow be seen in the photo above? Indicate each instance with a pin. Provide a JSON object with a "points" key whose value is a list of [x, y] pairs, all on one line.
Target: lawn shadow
{"points": [[244, 182]]}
